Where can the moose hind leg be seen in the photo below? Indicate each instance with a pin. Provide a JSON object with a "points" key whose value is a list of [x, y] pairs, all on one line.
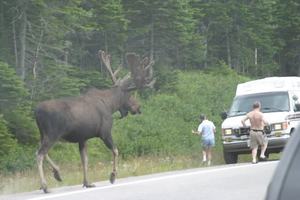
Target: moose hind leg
{"points": [[40, 159], [46, 144], [109, 143], [84, 161], [55, 169]]}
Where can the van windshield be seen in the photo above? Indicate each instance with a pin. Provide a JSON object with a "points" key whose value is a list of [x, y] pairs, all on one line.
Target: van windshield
{"points": [[270, 102]]}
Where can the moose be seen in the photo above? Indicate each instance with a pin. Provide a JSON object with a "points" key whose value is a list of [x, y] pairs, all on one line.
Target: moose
{"points": [[77, 119]]}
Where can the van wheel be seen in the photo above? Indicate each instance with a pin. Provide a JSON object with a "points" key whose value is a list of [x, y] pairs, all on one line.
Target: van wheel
{"points": [[230, 158]]}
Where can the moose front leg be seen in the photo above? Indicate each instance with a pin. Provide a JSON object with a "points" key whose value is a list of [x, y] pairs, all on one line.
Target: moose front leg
{"points": [[109, 143], [84, 161], [115, 161]]}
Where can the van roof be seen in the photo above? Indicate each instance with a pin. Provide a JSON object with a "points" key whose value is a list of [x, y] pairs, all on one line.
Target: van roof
{"points": [[269, 84]]}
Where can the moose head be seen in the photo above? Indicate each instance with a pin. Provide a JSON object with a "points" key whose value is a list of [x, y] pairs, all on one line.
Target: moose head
{"points": [[140, 76]]}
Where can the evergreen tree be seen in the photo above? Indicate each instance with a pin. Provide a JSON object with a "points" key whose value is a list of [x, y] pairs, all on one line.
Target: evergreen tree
{"points": [[8, 143], [239, 33], [15, 107], [12, 89], [162, 29], [287, 17]]}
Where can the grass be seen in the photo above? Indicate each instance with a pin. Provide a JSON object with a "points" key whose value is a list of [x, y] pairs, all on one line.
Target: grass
{"points": [[72, 173]]}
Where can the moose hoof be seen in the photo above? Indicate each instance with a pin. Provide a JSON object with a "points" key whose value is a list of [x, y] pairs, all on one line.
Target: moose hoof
{"points": [[56, 175], [45, 189], [112, 177], [88, 185]]}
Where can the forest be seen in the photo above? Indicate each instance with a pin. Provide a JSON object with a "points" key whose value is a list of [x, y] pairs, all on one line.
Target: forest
{"points": [[202, 49]]}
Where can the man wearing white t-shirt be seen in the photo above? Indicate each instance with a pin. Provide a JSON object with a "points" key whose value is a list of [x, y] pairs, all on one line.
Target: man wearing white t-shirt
{"points": [[206, 130]]}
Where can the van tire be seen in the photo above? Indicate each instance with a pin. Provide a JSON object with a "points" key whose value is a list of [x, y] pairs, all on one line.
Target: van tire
{"points": [[230, 158]]}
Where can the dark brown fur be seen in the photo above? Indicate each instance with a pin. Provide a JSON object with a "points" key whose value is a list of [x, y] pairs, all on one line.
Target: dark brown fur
{"points": [[78, 119]]}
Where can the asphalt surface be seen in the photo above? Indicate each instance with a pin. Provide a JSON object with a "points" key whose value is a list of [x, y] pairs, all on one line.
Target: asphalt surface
{"points": [[228, 182]]}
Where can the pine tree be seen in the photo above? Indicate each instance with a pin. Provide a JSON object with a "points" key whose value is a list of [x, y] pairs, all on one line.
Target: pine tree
{"points": [[8, 143]]}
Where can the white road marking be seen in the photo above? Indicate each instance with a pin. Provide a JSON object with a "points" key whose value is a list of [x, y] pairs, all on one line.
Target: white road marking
{"points": [[51, 196]]}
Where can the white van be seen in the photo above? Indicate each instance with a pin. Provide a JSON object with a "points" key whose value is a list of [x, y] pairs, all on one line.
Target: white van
{"points": [[280, 103]]}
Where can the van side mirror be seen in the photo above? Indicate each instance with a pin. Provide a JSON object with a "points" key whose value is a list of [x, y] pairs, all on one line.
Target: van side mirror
{"points": [[295, 97], [224, 115]]}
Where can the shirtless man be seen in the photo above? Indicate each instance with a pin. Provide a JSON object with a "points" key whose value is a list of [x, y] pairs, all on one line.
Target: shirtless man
{"points": [[257, 137]]}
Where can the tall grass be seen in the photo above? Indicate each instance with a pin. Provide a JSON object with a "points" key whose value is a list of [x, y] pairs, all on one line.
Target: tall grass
{"points": [[72, 173]]}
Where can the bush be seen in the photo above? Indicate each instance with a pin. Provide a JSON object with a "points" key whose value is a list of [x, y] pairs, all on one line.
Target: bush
{"points": [[13, 157], [165, 126], [6, 140], [19, 158]]}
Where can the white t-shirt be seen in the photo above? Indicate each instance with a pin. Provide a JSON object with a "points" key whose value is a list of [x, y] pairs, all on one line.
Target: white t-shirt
{"points": [[206, 128]]}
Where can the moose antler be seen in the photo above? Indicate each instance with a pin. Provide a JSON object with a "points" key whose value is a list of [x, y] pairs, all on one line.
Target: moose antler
{"points": [[141, 71], [105, 57]]}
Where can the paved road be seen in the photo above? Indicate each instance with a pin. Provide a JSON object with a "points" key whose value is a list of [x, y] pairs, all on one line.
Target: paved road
{"points": [[230, 182]]}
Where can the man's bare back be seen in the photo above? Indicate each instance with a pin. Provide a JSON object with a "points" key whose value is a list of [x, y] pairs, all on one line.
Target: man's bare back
{"points": [[257, 121], [256, 118]]}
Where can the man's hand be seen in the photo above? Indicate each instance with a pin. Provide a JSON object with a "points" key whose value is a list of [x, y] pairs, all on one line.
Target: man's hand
{"points": [[195, 132]]}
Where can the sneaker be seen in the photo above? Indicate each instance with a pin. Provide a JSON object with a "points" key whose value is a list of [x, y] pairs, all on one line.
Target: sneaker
{"points": [[254, 162], [208, 163], [263, 158]]}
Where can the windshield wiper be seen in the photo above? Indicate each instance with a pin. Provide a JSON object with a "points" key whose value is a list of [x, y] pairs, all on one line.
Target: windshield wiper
{"points": [[237, 112], [272, 109]]}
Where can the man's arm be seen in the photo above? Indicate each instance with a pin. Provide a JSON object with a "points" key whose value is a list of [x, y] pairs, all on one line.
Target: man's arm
{"points": [[266, 123], [244, 119], [199, 130], [195, 132]]}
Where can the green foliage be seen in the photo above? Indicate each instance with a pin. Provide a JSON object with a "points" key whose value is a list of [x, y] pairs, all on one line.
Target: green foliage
{"points": [[58, 81], [13, 156], [19, 158], [288, 36], [8, 143], [154, 133], [53, 46], [166, 78], [22, 125], [164, 128], [93, 78], [12, 89], [15, 106]]}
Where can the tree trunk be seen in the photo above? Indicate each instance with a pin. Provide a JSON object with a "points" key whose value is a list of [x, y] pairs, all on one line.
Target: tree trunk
{"points": [[15, 44], [152, 40], [255, 56], [205, 50], [36, 56], [228, 50], [22, 37], [238, 52]]}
